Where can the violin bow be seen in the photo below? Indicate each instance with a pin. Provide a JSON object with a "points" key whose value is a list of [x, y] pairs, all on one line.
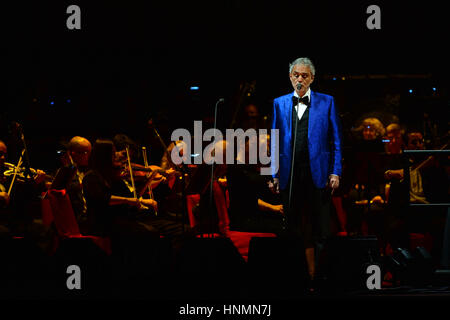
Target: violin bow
{"points": [[25, 153], [425, 162], [131, 172], [150, 122], [19, 163], [150, 192]]}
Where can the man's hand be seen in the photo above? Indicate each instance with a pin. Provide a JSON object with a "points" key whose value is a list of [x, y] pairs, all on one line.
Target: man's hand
{"points": [[393, 174], [150, 203], [377, 199], [333, 182], [135, 202], [222, 182], [40, 176], [170, 172], [278, 208], [4, 198], [274, 185]]}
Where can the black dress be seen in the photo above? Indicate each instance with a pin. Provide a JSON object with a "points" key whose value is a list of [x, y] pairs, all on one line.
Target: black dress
{"points": [[123, 221]]}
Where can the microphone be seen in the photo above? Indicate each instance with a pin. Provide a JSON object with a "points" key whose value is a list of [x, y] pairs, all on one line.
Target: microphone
{"points": [[299, 86]]}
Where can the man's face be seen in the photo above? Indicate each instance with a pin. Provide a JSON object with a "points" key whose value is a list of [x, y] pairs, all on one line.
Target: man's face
{"points": [[3, 154], [369, 133], [251, 111], [301, 74], [81, 153], [415, 141], [121, 156]]}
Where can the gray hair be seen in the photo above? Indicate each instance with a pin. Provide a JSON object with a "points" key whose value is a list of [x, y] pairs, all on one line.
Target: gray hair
{"points": [[303, 61]]}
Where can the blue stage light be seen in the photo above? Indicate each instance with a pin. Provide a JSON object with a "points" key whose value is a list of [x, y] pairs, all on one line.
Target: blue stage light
{"points": [[194, 88], [52, 102], [410, 90]]}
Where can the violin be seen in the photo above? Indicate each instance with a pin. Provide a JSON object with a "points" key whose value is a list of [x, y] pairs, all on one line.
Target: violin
{"points": [[21, 171], [140, 172], [19, 174]]}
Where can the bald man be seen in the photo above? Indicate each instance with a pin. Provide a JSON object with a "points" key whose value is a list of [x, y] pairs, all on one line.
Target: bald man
{"points": [[79, 152], [4, 197]]}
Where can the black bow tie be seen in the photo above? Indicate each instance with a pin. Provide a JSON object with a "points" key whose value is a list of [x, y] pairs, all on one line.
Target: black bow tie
{"points": [[304, 100]]}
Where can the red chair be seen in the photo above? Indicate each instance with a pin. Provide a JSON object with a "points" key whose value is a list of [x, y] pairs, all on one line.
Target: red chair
{"points": [[420, 240], [57, 209], [192, 200], [241, 240]]}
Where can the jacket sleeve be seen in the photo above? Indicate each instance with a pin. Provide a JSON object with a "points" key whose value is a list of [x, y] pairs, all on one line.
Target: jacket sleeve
{"points": [[336, 139], [274, 161]]}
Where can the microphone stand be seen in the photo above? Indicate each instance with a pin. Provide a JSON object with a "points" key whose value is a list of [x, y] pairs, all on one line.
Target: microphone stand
{"points": [[212, 173]]}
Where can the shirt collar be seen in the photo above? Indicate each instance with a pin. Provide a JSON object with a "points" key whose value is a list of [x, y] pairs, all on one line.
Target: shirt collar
{"points": [[307, 94]]}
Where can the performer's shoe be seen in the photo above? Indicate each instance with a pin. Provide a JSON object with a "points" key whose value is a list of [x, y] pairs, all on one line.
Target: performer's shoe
{"points": [[316, 285]]}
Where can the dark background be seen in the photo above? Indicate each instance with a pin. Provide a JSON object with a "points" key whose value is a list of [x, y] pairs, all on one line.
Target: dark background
{"points": [[132, 61]]}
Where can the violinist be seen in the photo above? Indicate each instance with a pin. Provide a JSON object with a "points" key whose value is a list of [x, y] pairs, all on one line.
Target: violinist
{"points": [[4, 197], [143, 177], [170, 193], [165, 184], [78, 153], [112, 208], [19, 202], [109, 202]]}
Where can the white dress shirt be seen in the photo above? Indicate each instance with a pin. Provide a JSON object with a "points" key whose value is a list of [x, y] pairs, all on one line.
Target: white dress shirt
{"points": [[301, 107]]}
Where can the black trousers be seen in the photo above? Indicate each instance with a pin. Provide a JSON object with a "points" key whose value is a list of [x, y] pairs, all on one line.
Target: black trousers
{"points": [[309, 212]]}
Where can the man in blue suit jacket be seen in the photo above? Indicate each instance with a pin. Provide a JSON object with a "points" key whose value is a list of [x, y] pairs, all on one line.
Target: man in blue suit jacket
{"points": [[309, 158]]}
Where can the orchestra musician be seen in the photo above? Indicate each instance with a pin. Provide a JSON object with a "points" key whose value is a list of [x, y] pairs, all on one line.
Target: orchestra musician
{"points": [[428, 183], [113, 209], [78, 153], [20, 213], [4, 196], [249, 210], [170, 193]]}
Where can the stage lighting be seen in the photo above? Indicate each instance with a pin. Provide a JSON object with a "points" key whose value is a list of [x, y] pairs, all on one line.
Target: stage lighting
{"points": [[410, 90], [52, 103], [194, 88]]}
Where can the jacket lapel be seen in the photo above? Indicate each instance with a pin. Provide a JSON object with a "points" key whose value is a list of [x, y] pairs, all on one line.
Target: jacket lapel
{"points": [[288, 109], [312, 113]]}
